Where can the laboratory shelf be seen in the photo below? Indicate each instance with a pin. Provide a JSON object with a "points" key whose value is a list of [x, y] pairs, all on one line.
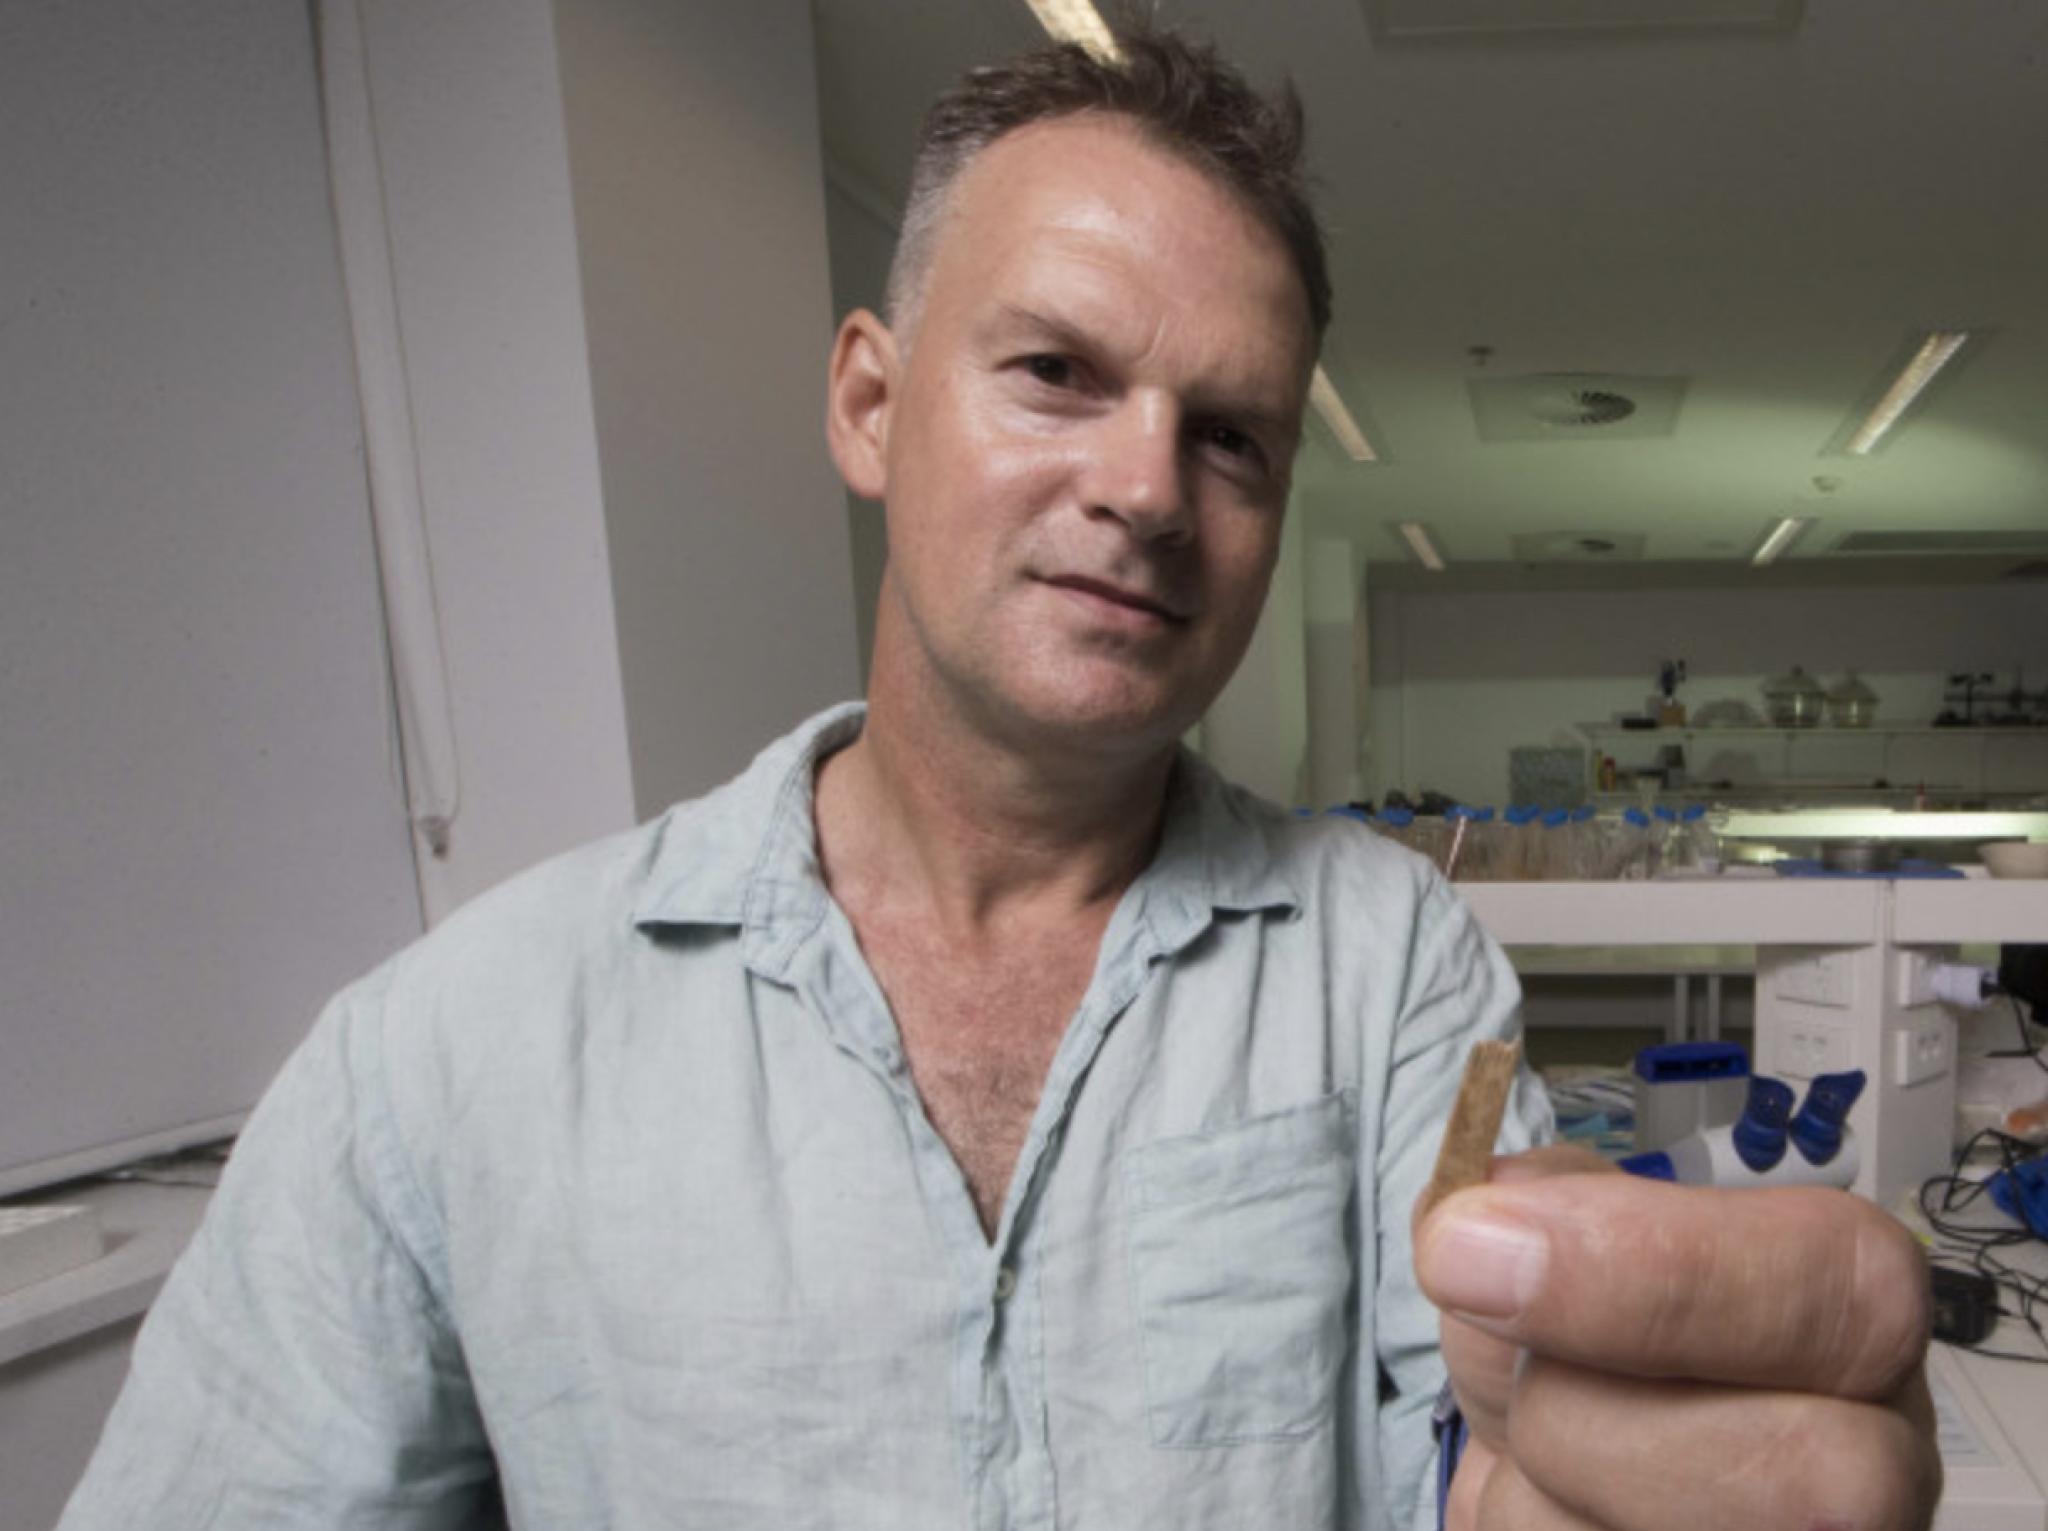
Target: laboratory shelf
{"points": [[1732, 911], [1751, 911], [1977, 760], [1817, 731], [1977, 909]]}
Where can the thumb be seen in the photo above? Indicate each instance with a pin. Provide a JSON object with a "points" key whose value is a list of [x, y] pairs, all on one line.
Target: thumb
{"points": [[1481, 1365]]}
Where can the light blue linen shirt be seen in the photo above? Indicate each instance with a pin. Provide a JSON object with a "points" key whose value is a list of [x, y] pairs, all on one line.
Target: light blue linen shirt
{"points": [[612, 1204]]}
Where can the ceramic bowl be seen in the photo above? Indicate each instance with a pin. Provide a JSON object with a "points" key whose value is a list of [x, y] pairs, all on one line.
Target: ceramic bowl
{"points": [[2015, 858]]}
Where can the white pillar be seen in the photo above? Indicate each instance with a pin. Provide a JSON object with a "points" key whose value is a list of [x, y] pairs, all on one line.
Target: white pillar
{"points": [[1336, 677], [1256, 731]]}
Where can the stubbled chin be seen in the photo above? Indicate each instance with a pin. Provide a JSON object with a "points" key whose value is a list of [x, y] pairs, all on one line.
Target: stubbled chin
{"points": [[1102, 698]]}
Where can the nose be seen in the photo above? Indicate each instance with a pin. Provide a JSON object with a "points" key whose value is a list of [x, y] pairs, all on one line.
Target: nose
{"points": [[1137, 473]]}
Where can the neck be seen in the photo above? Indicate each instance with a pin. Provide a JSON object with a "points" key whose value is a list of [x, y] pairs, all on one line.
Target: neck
{"points": [[944, 822]]}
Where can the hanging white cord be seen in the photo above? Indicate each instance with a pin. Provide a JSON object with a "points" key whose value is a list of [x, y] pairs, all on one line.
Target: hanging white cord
{"points": [[426, 727]]}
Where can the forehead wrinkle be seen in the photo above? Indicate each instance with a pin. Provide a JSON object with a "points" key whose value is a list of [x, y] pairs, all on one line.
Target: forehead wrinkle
{"points": [[1077, 258], [1085, 287]]}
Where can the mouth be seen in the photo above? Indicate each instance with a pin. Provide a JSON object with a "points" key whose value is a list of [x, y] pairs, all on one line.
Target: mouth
{"points": [[1119, 597]]}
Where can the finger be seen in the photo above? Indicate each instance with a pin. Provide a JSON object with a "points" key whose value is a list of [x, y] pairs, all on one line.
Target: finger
{"points": [[1811, 1290], [1461, 1505], [1641, 1455], [1482, 1366], [1510, 1501], [1916, 1402]]}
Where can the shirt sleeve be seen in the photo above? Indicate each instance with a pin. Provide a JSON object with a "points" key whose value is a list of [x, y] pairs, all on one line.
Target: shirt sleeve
{"points": [[299, 1368], [1459, 990]]}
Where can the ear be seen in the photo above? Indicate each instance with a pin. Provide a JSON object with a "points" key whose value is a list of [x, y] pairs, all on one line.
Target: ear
{"points": [[860, 389]]}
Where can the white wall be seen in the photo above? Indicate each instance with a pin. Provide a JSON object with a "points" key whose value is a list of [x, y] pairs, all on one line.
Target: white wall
{"points": [[650, 414], [202, 831], [468, 118], [862, 231], [1256, 732], [1335, 613], [1458, 679], [700, 222]]}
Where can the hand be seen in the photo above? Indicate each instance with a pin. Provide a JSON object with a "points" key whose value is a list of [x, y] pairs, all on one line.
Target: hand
{"points": [[1637, 1356]]}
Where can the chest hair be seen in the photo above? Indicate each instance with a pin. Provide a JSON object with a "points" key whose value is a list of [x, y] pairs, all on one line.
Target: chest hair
{"points": [[979, 1033]]}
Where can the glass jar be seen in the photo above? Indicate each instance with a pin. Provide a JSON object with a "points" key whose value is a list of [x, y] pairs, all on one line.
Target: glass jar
{"points": [[1704, 845], [1586, 848], [1516, 860], [1554, 840], [1472, 844], [1851, 704], [1630, 846], [1794, 700]]}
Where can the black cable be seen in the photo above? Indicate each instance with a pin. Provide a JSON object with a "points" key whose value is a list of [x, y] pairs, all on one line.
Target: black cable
{"points": [[1974, 1246], [2026, 1042]]}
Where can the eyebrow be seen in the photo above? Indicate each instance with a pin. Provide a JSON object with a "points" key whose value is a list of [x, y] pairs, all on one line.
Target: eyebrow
{"points": [[1062, 334], [1068, 337]]}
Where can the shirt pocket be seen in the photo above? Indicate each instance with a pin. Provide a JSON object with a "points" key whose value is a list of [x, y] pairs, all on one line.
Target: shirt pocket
{"points": [[1241, 1264]]}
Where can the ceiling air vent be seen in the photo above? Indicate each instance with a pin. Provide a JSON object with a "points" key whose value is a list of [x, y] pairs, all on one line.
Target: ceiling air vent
{"points": [[1581, 407], [1926, 543], [1578, 547], [1575, 406]]}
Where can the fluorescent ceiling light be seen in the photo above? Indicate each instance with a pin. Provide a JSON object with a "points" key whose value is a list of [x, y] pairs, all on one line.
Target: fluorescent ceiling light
{"points": [[1780, 537], [1936, 352], [1416, 535], [1322, 393], [1076, 21]]}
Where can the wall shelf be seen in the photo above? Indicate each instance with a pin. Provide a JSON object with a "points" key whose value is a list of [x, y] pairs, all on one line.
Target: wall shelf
{"points": [[1946, 761], [1819, 731]]}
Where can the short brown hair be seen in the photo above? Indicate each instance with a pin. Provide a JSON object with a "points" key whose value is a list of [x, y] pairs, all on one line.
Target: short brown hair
{"points": [[1178, 92]]}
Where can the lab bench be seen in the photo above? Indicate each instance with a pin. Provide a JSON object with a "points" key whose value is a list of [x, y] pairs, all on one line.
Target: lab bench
{"points": [[1840, 968], [1836, 961]]}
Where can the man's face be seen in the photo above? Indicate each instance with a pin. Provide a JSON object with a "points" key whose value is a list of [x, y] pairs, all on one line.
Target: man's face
{"points": [[1090, 440]]}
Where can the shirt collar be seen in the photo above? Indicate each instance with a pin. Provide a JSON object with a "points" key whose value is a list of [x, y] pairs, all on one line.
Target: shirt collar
{"points": [[746, 855]]}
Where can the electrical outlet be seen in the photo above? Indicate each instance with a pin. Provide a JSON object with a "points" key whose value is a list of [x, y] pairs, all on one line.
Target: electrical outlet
{"points": [[1923, 1052], [1836, 976], [1828, 978], [1914, 978], [1804, 1051]]}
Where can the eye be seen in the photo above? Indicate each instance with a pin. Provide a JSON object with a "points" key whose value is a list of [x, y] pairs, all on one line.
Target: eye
{"points": [[1053, 371], [1228, 440]]}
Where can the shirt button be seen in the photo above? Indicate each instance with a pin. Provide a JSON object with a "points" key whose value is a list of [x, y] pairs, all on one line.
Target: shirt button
{"points": [[1006, 1283]]}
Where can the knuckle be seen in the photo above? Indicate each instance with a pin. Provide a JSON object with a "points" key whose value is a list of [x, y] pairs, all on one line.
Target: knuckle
{"points": [[1859, 1468], [1534, 1410], [1510, 1500], [1891, 1307]]}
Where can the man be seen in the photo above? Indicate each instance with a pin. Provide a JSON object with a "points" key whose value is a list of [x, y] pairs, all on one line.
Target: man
{"points": [[977, 1114]]}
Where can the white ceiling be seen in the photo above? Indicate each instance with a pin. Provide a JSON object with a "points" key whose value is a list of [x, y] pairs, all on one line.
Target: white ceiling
{"points": [[1767, 215]]}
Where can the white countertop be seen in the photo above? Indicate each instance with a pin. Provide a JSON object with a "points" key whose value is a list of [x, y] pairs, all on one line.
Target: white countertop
{"points": [[2015, 1394], [1753, 911], [145, 1227]]}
